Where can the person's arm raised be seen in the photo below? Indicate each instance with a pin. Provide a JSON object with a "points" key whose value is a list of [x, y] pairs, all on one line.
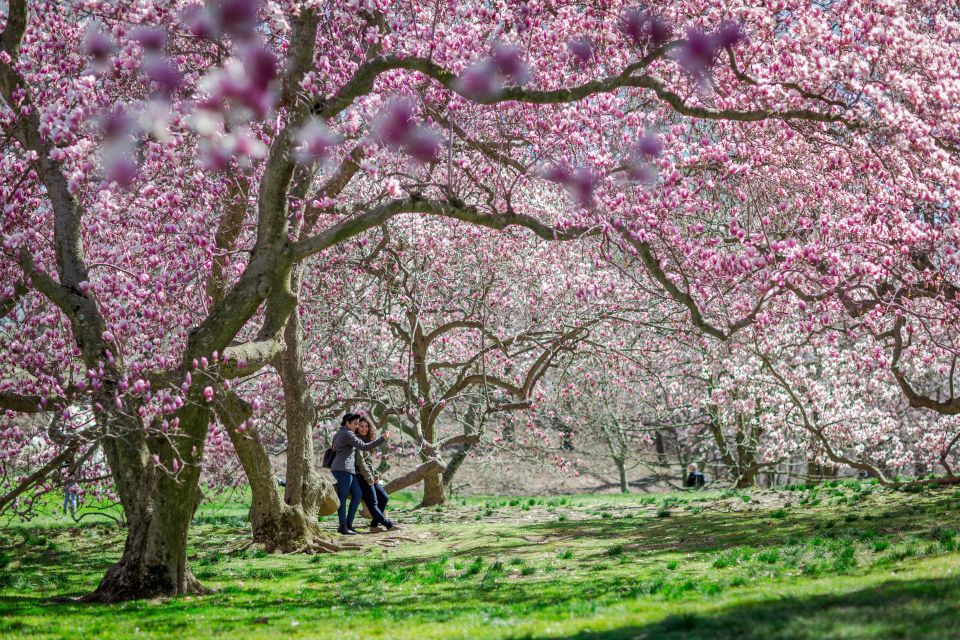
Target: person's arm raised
{"points": [[357, 443]]}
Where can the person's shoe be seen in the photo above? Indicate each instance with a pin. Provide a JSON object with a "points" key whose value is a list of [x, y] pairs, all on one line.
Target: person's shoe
{"points": [[347, 531], [375, 528], [392, 526]]}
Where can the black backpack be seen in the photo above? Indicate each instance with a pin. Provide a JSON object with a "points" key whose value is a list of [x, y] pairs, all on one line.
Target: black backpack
{"points": [[328, 457]]}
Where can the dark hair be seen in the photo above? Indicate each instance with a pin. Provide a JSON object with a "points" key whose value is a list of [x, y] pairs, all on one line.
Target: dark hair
{"points": [[369, 437], [348, 417]]}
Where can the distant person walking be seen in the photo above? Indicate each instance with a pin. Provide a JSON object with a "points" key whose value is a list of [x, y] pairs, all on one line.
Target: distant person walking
{"points": [[695, 478], [374, 495], [344, 468]]}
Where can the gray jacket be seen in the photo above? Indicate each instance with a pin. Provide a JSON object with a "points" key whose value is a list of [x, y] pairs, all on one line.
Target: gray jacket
{"points": [[345, 444]]}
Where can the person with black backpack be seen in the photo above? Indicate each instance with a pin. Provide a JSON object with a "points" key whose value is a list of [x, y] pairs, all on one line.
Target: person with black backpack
{"points": [[344, 468]]}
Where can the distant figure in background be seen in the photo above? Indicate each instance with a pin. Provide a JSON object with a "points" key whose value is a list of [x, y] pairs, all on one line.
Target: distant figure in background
{"points": [[71, 495], [695, 478]]}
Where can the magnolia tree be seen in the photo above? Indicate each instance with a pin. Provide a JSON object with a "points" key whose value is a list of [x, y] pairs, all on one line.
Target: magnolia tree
{"points": [[436, 318], [168, 170]]}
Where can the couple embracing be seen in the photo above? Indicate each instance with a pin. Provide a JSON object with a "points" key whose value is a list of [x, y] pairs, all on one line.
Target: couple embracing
{"points": [[351, 467]]}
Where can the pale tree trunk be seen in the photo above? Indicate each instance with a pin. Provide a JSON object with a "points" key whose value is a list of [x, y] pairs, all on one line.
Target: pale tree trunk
{"points": [[433, 493]]}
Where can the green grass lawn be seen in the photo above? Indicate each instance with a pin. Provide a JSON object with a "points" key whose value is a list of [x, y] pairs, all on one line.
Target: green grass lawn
{"points": [[846, 561]]}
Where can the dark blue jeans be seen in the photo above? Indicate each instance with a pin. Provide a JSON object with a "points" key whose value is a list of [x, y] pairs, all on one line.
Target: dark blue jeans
{"points": [[347, 485], [376, 500]]}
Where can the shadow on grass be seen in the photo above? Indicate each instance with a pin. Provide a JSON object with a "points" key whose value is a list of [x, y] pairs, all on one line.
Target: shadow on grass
{"points": [[912, 610], [711, 532]]}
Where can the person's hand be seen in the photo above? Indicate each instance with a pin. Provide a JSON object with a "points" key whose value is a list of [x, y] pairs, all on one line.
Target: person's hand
{"points": [[386, 435], [376, 479]]}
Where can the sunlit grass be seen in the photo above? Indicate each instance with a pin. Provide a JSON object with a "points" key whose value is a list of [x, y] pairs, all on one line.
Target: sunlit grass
{"points": [[788, 564]]}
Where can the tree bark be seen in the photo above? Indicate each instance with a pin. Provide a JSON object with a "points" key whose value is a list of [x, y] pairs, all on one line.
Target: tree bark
{"points": [[459, 455], [158, 507], [432, 467], [460, 451], [433, 493], [622, 472], [305, 488], [277, 525]]}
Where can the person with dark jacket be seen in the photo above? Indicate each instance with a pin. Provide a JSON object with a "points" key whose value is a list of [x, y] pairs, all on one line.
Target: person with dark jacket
{"points": [[695, 478], [374, 495], [344, 468]]}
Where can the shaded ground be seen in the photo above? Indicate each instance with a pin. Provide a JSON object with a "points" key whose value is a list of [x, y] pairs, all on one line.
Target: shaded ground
{"points": [[843, 561]]}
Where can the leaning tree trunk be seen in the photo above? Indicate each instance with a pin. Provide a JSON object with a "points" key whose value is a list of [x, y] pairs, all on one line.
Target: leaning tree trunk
{"points": [[277, 525], [459, 455], [460, 451], [747, 466]]}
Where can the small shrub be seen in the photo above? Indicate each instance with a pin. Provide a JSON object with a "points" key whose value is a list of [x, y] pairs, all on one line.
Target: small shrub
{"points": [[436, 570], [732, 556], [474, 567], [943, 535], [778, 514], [845, 560], [769, 556], [494, 571], [565, 555]]}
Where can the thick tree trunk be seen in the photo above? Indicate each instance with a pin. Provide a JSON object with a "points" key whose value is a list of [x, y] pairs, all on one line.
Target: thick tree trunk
{"points": [[305, 489], [433, 493], [661, 448], [158, 508], [275, 524]]}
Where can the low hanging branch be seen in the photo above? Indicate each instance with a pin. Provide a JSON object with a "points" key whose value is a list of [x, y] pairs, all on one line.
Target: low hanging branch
{"points": [[432, 466]]}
